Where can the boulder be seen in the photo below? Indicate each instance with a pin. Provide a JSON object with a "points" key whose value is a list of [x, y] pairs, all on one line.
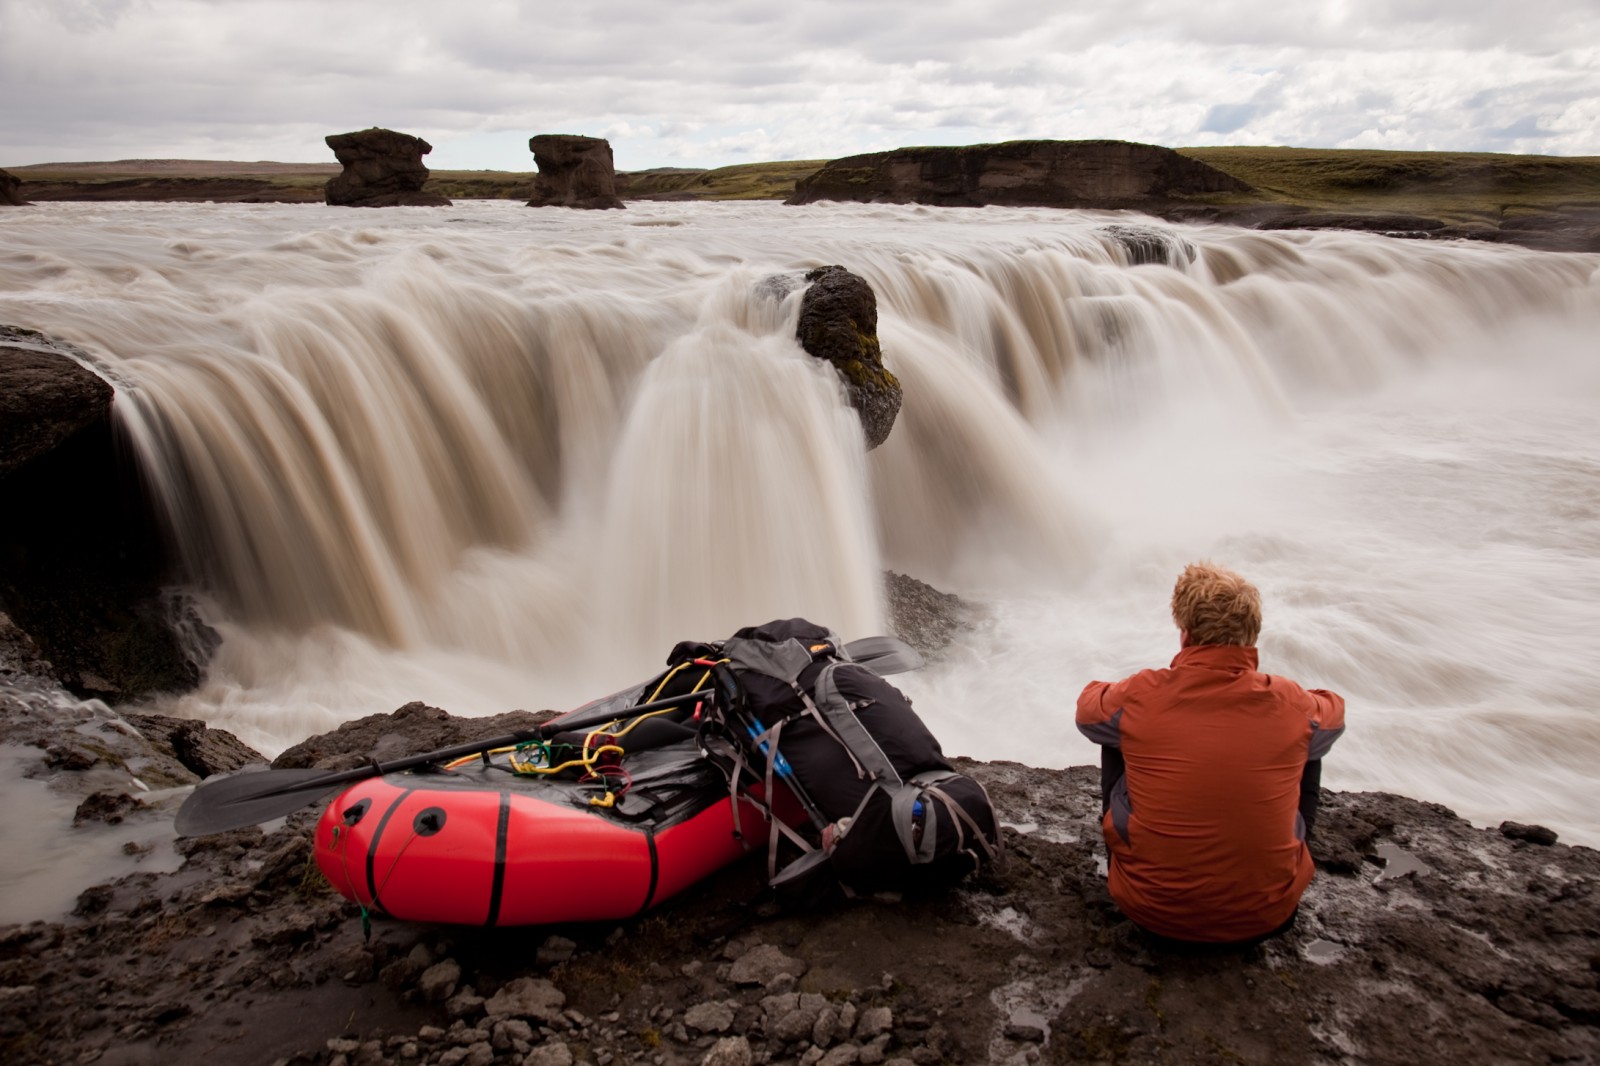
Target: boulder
{"points": [[1093, 174], [413, 728], [382, 168], [83, 569], [574, 171], [10, 190], [839, 323]]}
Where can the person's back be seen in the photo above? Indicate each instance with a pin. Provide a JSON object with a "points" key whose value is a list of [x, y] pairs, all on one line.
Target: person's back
{"points": [[1211, 774]]}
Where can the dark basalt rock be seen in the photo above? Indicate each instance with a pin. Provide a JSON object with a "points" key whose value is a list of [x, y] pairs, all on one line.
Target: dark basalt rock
{"points": [[839, 323], [1095, 174], [10, 190], [83, 569], [1487, 953], [574, 171], [412, 729], [382, 168], [921, 615], [203, 751]]}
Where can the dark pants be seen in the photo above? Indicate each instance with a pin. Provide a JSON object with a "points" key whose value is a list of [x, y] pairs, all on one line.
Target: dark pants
{"points": [[1113, 768]]}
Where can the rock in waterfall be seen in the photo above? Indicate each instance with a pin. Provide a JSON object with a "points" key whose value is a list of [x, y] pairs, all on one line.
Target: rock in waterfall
{"points": [[839, 323], [574, 171], [382, 168]]}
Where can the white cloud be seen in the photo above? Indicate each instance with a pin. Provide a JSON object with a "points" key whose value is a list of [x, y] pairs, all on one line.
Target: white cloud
{"points": [[705, 83]]}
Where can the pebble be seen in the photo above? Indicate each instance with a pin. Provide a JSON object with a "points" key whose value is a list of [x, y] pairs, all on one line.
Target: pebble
{"points": [[554, 1053], [438, 982], [874, 1022], [709, 1017], [761, 964]]}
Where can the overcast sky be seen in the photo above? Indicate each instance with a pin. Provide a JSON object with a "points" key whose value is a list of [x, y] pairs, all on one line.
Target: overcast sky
{"points": [[715, 82]]}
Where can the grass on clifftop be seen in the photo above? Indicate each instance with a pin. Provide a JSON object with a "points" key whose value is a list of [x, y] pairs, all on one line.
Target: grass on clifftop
{"points": [[1456, 185]]}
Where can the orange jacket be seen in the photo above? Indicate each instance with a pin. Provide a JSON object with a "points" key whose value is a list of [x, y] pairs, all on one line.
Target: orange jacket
{"points": [[1204, 832]]}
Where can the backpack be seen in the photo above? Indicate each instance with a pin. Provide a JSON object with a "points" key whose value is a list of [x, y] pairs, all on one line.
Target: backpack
{"points": [[859, 796]]}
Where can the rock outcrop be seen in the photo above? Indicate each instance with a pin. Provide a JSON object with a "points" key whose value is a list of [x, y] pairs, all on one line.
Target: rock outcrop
{"points": [[1089, 174], [839, 323], [83, 571], [1420, 931], [382, 168], [10, 190], [574, 171]]}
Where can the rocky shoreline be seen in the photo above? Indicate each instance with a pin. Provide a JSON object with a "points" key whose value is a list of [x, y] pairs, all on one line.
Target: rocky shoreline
{"points": [[1420, 935]]}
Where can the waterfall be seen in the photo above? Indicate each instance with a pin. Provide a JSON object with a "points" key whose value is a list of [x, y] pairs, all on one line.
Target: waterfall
{"points": [[491, 457]]}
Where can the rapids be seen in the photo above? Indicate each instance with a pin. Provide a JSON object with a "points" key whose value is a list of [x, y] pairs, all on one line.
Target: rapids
{"points": [[492, 457]]}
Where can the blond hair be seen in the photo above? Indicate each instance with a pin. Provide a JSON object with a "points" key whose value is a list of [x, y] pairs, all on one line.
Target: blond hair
{"points": [[1216, 606]]}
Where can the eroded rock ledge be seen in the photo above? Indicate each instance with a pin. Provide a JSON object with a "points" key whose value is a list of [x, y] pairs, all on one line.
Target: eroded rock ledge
{"points": [[10, 190], [83, 568], [1088, 174]]}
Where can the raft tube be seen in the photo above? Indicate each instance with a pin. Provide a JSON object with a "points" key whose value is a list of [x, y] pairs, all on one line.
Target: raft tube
{"points": [[479, 845]]}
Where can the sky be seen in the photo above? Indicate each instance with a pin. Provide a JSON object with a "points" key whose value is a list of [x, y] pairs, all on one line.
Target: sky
{"points": [[705, 83]]}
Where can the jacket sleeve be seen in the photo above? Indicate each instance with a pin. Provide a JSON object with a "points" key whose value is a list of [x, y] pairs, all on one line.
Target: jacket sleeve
{"points": [[1100, 712], [1326, 713]]}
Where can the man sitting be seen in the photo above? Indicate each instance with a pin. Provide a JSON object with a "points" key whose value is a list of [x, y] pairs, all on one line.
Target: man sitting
{"points": [[1209, 774]]}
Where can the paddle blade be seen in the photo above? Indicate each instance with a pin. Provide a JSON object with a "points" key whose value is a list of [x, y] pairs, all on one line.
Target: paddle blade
{"points": [[884, 655], [250, 798]]}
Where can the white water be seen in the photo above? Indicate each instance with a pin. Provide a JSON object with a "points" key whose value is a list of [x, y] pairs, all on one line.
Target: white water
{"points": [[492, 457]]}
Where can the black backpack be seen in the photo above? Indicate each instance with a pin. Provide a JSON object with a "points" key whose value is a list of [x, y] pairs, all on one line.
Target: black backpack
{"points": [[794, 716]]}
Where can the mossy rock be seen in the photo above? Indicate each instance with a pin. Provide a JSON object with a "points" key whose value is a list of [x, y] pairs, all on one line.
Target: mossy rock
{"points": [[839, 323]]}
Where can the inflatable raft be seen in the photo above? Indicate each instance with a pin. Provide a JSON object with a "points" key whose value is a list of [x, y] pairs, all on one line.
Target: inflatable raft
{"points": [[612, 816]]}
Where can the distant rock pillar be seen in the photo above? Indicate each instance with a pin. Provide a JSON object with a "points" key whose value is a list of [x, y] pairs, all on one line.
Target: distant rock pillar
{"points": [[11, 190], [574, 171], [382, 168], [839, 323]]}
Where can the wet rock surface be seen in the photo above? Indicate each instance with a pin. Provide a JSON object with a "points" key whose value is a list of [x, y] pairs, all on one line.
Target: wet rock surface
{"points": [[574, 171], [1089, 174], [382, 168], [82, 567], [839, 323], [924, 617], [1485, 948]]}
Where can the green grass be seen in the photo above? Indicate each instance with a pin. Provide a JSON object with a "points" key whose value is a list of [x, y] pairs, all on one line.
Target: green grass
{"points": [[1455, 186], [746, 181]]}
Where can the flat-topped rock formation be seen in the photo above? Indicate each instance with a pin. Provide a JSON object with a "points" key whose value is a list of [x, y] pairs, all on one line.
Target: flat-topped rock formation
{"points": [[382, 168], [10, 191], [574, 171], [1096, 174]]}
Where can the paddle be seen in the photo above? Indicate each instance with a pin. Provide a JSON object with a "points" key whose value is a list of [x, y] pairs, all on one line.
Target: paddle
{"points": [[252, 797]]}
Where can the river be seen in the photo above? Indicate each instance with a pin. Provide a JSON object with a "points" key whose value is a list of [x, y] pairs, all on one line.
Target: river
{"points": [[491, 457]]}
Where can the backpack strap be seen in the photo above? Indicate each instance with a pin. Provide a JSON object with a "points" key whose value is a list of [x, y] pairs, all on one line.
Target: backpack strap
{"points": [[839, 716]]}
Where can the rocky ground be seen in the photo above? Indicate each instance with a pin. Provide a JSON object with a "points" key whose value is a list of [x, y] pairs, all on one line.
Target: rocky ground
{"points": [[1421, 938]]}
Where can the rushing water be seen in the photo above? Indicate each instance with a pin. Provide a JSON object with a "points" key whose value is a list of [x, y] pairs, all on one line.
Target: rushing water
{"points": [[492, 457]]}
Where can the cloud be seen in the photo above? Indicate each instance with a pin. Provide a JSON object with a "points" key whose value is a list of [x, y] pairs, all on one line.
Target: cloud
{"points": [[704, 82]]}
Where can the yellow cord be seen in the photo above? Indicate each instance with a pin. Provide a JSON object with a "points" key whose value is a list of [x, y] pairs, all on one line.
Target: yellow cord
{"points": [[588, 758]]}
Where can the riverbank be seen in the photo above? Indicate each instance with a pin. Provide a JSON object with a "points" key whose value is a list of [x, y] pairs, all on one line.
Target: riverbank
{"points": [[1544, 202], [1420, 931]]}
